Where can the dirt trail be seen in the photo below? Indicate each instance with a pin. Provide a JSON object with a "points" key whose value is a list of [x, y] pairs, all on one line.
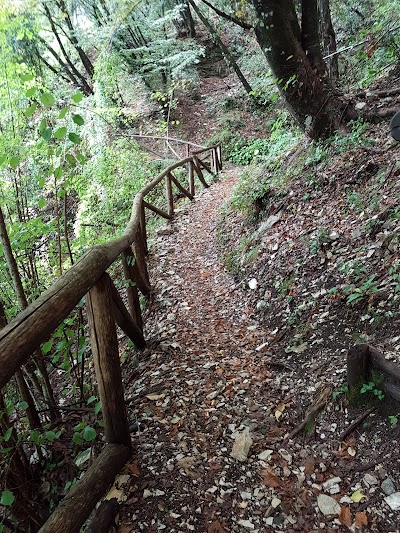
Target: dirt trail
{"points": [[201, 384], [211, 372]]}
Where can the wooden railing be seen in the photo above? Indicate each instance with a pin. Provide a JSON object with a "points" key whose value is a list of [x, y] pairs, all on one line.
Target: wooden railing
{"points": [[105, 307]]}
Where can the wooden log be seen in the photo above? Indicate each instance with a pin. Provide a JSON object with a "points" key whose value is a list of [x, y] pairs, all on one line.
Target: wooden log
{"points": [[180, 188], [192, 189], [199, 172], [124, 319], [358, 366], [104, 517], [206, 166], [140, 266], [76, 507], [143, 228], [381, 364], [131, 289], [392, 389], [169, 196], [103, 336], [157, 210]]}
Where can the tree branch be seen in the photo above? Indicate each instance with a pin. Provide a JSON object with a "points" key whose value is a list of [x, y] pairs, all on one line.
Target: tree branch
{"points": [[226, 16]]}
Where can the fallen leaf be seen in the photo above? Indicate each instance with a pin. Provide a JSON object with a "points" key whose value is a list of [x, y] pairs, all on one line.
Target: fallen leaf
{"points": [[345, 516], [361, 519], [269, 478], [279, 410], [351, 451], [357, 496], [309, 466], [134, 470], [155, 397], [216, 527]]}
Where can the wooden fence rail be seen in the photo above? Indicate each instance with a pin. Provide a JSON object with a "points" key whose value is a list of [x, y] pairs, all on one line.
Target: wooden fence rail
{"points": [[105, 308]]}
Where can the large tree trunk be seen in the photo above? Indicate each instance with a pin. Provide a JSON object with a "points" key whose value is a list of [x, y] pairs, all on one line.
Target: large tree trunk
{"points": [[307, 93]]}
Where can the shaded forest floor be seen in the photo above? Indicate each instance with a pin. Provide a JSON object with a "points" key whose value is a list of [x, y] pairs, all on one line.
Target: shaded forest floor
{"points": [[248, 327], [211, 370]]}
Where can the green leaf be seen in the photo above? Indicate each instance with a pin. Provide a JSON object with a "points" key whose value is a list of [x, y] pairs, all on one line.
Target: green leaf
{"points": [[81, 158], [30, 92], [27, 77], [50, 435], [58, 172], [46, 347], [77, 438], [71, 159], [22, 405], [14, 161], [77, 97], [89, 433], [3, 158], [47, 99], [42, 182], [42, 125], [91, 400], [76, 139], [42, 203], [63, 112], [78, 119], [47, 133], [97, 408], [31, 109], [7, 498], [7, 434], [60, 133]]}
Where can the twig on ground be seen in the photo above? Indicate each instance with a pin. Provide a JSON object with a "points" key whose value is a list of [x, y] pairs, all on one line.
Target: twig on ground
{"points": [[355, 424], [313, 410]]}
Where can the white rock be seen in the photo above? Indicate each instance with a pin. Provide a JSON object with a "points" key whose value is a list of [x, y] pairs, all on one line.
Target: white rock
{"points": [[265, 454], [253, 283], [393, 501], [387, 486], [370, 480], [146, 493], [331, 482], [247, 524], [275, 502], [328, 505], [241, 446]]}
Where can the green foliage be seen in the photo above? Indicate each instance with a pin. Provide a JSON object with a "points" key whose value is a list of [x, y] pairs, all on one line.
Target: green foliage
{"points": [[371, 387], [252, 193], [343, 390]]}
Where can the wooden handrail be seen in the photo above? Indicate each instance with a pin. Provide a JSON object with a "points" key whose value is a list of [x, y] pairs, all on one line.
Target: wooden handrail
{"points": [[33, 326]]}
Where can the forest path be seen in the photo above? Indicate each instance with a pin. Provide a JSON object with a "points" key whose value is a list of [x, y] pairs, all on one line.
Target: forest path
{"points": [[202, 382]]}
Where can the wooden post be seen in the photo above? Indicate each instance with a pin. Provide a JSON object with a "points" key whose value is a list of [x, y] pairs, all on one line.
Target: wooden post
{"points": [[170, 199], [357, 366], [191, 178], [143, 228], [219, 150], [131, 289], [140, 264], [213, 161], [124, 319], [104, 343]]}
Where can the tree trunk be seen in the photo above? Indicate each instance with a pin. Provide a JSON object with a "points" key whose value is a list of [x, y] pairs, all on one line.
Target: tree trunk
{"points": [[227, 55], [309, 98], [310, 38], [328, 38]]}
